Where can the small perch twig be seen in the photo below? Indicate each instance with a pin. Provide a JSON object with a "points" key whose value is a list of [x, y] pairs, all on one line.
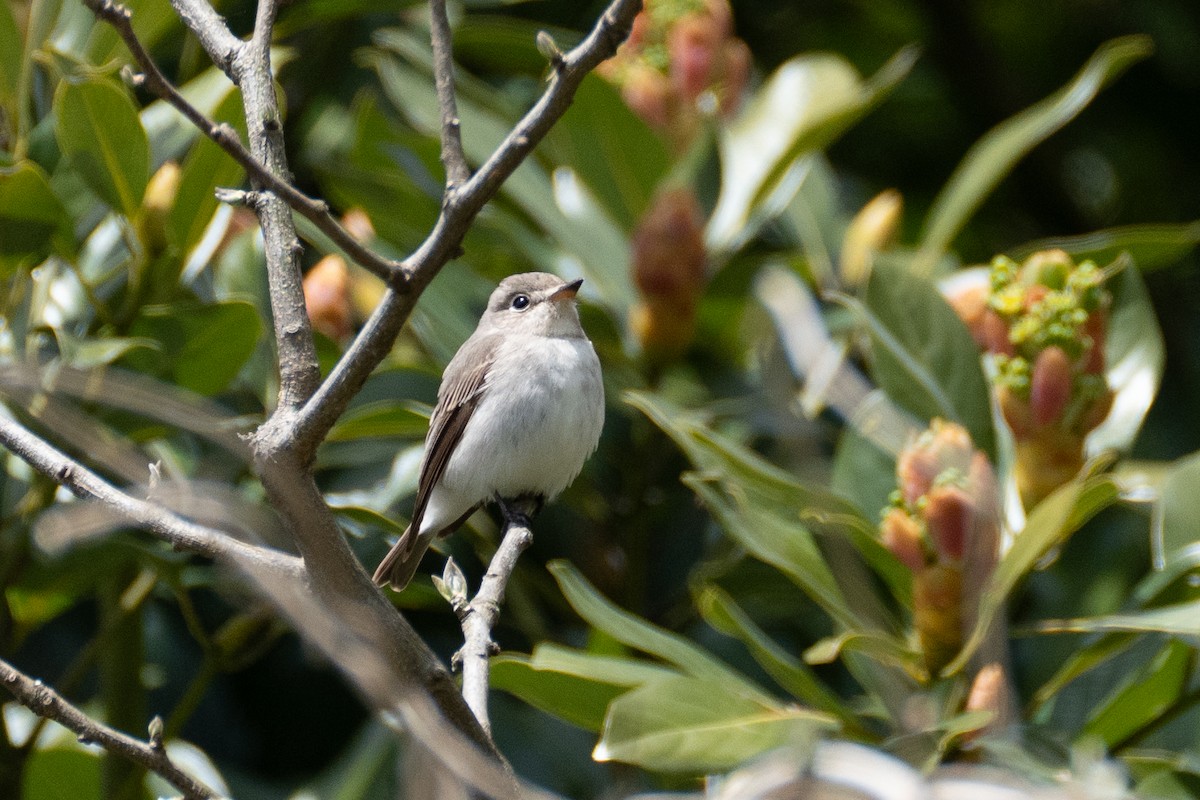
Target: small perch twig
{"points": [[479, 616]]}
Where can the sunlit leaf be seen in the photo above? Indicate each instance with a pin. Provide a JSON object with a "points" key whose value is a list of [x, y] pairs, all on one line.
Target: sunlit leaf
{"points": [[804, 105], [722, 612], [379, 419], [1049, 524], [206, 167], [98, 129], [1134, 355], [1182, 619], [1150, 246], [639, 634], [924, 356], [571, 684], [772, 515], [994, 155], [696, 725], [593, 138]]}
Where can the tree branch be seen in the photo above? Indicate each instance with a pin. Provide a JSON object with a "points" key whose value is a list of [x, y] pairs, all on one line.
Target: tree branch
{"points": [[49, 704], [169, 527], [374, 342], [453, 157], [214, 35], [478, 617], [152, 78]]}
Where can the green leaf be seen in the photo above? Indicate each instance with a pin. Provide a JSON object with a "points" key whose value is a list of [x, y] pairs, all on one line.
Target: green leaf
{"points": [[684, 724], [770, 514], [10, 59], [1144, 695], [1134, 355], [572, 685], [1178, 507], [206, 167], [723, 613], [33, 223], [1182, 619], [593, 138], [1150, 246], [632, 631], [62, 774], [924, 356], [381, 419], [202, 347], [369, 519], [994, 155], [1048, 525], [99, 130], [805, 104]]}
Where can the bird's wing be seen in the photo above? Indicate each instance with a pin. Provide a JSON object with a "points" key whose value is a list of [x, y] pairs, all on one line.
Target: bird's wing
{"points": [[463, 384]]}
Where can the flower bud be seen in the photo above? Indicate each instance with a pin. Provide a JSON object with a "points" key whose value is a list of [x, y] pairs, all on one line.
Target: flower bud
{"points": [[737, 61], [668, 248], [664, 329], [946, 446], [937, 614], [873, 230], [692, 46], [901, 534], [157, 203], [327, 297], [1050, 385], [647, 92], [949, 516], [358, 224]]}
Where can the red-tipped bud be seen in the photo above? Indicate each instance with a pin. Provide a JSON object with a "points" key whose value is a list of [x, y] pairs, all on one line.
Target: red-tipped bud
{"points": [[950, 516], [1050, 385], [1097, 412], [1096, 329], [327, 297], [692, 44], [901, 535], [1016, 411], [668, 247]]}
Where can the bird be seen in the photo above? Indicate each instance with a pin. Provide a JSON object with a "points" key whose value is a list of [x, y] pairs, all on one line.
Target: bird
{"points": [[519, 410]]}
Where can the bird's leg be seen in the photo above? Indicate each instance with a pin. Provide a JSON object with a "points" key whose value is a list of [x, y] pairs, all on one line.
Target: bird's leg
{"points": [[520, 510]]}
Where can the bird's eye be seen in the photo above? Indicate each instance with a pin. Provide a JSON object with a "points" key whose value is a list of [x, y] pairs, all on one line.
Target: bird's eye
{"points": [[520, 302]]}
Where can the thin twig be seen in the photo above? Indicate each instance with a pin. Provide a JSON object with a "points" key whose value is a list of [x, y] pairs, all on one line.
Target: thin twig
{"points": [[374, 342], [152, 78], [479, 617], [169, 527], [453, 158], [47, 703]]}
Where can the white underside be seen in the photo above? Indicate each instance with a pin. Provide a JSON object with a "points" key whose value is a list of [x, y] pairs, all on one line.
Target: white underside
{"points": [[528, 435]]}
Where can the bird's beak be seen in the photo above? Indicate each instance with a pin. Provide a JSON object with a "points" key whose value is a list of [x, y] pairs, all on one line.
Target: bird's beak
{"points": [[567, 291]]}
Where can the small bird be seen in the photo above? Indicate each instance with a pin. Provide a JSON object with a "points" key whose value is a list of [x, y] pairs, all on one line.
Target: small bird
{"points": [[519, 410]]}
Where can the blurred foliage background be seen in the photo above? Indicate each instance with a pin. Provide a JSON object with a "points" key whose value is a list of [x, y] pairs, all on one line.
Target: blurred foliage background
{"points": [[118, 256]]}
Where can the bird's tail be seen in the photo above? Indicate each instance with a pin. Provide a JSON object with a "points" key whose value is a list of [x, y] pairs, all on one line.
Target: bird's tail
{"points": [[400, 564]]}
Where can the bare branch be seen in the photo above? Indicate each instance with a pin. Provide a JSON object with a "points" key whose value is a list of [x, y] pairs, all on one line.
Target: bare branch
{"points": [[169, 527], [49, 704], [214, 35], [480, 615], [458, 212], [453, 158], [316, 211]]}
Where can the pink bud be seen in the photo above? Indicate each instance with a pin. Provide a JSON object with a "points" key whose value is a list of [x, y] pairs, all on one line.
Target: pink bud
{"points": [[692, 44], [949, 515], [1050, 385], [901, 534]]}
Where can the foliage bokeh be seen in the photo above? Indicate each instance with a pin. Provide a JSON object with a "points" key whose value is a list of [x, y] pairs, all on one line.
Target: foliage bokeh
{"points": [[698, 373]]}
